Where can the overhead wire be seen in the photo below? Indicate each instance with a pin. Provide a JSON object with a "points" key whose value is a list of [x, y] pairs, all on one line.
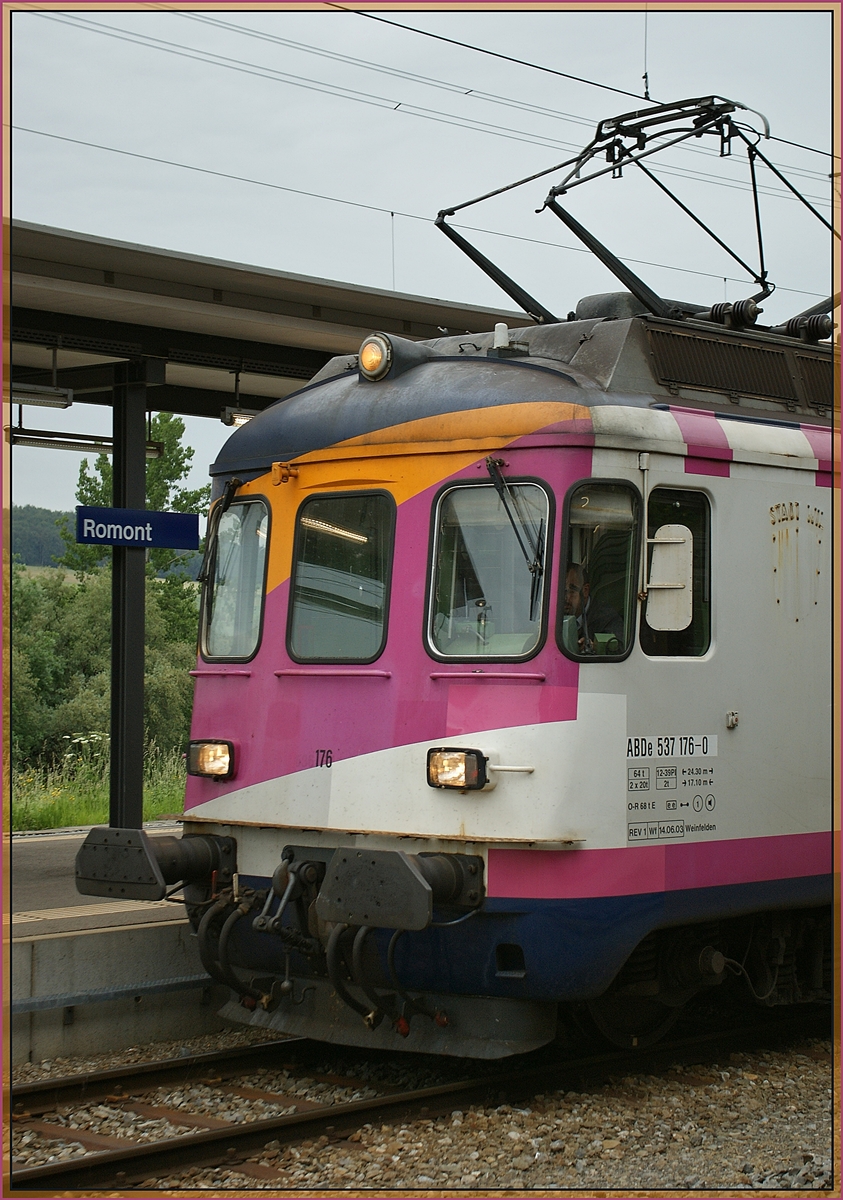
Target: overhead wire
{"points": [[383, 69], [492, 53], [802, 146], [536, 66], [359, 204], [443, 85], [679, 173], [272, 74], [170, 162]]}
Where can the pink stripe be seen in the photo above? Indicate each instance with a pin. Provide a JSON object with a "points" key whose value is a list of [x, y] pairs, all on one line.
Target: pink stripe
{"points": [[820, 441], [637, 870], [701, 430], [709, 452], [705, 466]]}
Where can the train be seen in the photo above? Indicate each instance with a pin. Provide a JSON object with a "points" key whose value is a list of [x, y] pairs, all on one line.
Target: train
{"points": [[513, 691]]}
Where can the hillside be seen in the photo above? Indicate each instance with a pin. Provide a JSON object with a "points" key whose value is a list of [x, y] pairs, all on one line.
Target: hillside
{"points": [[35, 539], [35, 536]]}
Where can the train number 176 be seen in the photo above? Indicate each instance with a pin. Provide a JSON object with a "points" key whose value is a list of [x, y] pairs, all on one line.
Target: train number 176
{"points": [[324, 758]]}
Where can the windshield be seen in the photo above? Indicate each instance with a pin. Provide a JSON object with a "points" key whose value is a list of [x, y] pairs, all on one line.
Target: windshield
{"points": [[234, 591], [340, 577], [487, 591]]}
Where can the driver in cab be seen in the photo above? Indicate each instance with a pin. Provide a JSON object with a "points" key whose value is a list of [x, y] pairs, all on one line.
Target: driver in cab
{"points": [[592, 616]]}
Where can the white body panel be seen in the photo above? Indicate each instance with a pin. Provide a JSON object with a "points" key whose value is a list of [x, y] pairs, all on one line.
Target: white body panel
{"points": [[769, 661]]}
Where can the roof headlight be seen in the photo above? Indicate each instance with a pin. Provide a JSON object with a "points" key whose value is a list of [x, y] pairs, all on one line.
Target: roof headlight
{"points": [[375, 357], [214, 760], [464, 770]]}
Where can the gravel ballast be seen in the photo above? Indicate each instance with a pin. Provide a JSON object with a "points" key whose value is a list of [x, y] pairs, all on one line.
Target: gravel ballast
{"points": [[757, 1120], [760, 1119]]}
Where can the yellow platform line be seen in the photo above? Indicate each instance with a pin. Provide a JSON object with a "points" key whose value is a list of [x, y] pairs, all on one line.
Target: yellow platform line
{"points": [[90, 910]]}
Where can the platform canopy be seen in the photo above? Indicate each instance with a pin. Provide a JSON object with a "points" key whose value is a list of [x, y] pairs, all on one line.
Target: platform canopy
{"points": [[143, 330], [196, 322]]}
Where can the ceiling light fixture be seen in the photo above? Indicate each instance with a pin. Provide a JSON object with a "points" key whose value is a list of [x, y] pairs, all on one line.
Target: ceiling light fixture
{"points": [[42, 397], [237, 416], [48, 439]]}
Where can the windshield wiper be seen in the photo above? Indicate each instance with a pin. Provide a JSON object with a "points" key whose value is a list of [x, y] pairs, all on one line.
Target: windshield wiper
{"points": [[217, 513], [537, 569], [535, 555]]}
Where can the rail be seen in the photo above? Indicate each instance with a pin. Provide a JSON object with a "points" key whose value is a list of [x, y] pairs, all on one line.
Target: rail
{"points": [[110, 1168]]}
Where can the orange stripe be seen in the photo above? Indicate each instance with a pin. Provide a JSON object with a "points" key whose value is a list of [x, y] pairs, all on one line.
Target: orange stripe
{"points": [[503, 420], [404, 459]]}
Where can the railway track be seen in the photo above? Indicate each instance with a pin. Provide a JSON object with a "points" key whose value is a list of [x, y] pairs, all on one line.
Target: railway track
{"points": [[196, 1139]]}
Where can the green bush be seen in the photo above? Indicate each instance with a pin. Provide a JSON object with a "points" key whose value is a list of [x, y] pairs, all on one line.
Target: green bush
{"points": [[75, 791], [61, 661], [61, 658]]}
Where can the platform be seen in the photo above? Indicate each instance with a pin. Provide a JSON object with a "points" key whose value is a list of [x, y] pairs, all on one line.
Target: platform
{"points": [[90, 974]]}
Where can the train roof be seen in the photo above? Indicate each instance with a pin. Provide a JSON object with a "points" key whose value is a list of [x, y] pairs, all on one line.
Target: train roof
{"points": [[603, 359]]}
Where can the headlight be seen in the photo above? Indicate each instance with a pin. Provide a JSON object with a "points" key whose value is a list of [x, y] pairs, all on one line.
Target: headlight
{"points": [[461, 769], [212, 759], [375, 356]]}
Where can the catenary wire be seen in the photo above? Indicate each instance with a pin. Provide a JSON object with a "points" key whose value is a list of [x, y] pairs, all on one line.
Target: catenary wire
{"points": [[369, 207], [492, 53], [538, 67], [444, 85], [395, 72], [273, 75], [414, 110]]}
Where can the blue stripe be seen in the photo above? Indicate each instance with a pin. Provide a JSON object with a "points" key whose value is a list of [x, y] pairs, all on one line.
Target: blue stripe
{"points": [[572, 948]]}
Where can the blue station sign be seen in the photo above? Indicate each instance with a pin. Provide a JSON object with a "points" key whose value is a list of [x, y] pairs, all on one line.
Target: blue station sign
{"points": [[138, 527]]}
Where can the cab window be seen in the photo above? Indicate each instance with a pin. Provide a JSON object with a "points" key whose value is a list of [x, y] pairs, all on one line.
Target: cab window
{"points": [[233, 598], [339, 589], [598, 591], [487, 577]]}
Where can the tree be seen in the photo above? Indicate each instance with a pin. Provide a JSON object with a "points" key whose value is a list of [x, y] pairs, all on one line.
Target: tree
{"points": [[61, 661], [163, 494], [62, 628], [39, 666]]}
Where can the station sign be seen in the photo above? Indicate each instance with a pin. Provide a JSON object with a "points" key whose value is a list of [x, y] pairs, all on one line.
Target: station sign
{"points": [[139, 527]]}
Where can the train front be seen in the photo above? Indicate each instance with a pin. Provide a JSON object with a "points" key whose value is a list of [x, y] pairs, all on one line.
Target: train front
{"points": [[380, 694]]}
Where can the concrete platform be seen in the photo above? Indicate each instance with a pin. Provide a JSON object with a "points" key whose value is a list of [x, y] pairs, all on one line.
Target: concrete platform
{"points": [[44, 896], [97, 974]]}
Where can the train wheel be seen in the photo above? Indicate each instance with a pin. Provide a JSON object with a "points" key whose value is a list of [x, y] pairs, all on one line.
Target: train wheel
{"points": [[632, 1022]]}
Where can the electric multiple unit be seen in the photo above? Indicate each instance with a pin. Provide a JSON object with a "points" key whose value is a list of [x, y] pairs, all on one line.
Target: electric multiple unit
{"points": [[514, 686]]}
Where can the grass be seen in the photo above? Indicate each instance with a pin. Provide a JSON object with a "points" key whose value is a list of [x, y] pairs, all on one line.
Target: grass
{"points": [[77, 791]]}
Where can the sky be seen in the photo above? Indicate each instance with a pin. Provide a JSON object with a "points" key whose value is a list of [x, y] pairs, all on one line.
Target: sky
{"points": [[348, 134]]}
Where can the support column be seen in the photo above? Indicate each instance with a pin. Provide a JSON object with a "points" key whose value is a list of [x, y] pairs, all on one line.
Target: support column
{"points": [[128, 584]]}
